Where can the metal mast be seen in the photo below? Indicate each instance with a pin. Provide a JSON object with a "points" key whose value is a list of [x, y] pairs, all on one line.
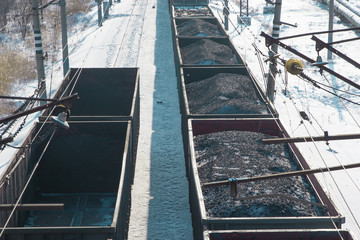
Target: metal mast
{"points": [[274, 49], [39, 50], [65, 49]]}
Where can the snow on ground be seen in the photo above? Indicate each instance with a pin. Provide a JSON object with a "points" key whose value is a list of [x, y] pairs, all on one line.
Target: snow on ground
{"points": [[160, 195], [326, 112]]}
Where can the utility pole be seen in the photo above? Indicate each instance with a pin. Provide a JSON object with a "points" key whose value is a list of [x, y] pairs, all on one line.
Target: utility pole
{"points": [[39, 51], [65, 49], [226, 14], [270, 89], [42, 10], [99, 13], [331, 27]]}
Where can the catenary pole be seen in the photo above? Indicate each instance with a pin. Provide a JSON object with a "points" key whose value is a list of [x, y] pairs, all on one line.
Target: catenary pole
{"points": [[39, 50], [331, 27], [274, 49], [99, 13], [65, 49], [226, 13]]}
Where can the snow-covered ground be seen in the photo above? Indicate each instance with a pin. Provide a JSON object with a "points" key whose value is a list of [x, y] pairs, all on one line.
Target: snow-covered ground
{"points": [[326, 112]]}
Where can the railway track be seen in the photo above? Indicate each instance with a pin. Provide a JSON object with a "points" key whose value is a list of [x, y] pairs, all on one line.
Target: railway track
{"points": [[128, 57]]}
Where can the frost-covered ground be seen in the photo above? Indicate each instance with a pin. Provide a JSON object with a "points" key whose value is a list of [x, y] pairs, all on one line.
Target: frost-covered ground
{"points": [[326, 112]]}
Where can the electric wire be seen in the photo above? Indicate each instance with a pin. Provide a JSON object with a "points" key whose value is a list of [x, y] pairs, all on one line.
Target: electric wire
{"points": [[345, 202], [335, 89], [78, 72], [322, 158], [331, 175], [332, 151], [352, 116], [26, 185], [122, 40], [279, 127], [305, 77], [73, 82], [50, 112], [346, 170], [334, 181]]}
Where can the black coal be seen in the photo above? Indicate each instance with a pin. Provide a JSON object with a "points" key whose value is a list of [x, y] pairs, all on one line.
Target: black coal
{"points": [[198, 27], [224, 93], [192, 12], [207, 52], [229, 154]]}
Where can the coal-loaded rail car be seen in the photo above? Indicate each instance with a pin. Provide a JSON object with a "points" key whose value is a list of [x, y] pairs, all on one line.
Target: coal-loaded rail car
{"points": [[81, 174], [213, 80], [225, 116], [276, 235], [223, 149]]}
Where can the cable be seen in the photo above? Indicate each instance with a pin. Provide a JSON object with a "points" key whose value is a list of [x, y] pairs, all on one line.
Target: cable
{"points": [[305, 77], [275, 78], [338, 188], [345, 106], [26, 184]]}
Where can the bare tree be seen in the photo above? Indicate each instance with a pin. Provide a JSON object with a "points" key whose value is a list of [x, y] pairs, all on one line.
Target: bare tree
{"points": [[23, 15], [4, 10]]}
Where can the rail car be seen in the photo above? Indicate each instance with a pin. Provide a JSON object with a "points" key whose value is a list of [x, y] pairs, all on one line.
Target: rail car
{"points": [[276, 234], [82, 183], [225, 113]]}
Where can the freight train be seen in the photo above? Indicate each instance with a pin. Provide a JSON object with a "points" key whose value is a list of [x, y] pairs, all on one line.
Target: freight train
{"points": [[81, 189], [225, 116]]}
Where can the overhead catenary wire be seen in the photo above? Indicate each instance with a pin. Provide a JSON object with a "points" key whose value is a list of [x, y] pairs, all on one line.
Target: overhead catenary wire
{"points": [[87, 9], [352, 213], [348, 206], [26, 184], [76, 77], [273, 116], [331, 175], [72, 82]]}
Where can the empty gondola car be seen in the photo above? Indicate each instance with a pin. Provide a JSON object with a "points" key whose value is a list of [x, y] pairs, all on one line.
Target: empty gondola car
{"points": [[75, 182]]}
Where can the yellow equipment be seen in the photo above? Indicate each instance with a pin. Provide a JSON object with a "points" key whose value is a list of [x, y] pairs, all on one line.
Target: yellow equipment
{"points": [[294, 66]]}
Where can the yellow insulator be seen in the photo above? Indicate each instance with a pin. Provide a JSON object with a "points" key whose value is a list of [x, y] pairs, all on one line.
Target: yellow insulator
{"points": [[294, 66]]}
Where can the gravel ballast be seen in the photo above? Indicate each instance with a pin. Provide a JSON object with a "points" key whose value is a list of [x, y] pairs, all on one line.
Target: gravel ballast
{"points": [[224, 93], [230, 154]]}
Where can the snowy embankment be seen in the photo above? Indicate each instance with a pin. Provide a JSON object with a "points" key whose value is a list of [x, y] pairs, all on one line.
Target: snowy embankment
{"points": [[294, 95]]}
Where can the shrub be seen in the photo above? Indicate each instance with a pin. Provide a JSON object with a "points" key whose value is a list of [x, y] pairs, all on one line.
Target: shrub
{"points": [[15, 68], [78, 6]]}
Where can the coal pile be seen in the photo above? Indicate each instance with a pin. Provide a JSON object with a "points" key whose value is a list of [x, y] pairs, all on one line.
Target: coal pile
{"points": [[224, 93], [229, 154], [192, 12], [198, 27], [208, 52]]}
